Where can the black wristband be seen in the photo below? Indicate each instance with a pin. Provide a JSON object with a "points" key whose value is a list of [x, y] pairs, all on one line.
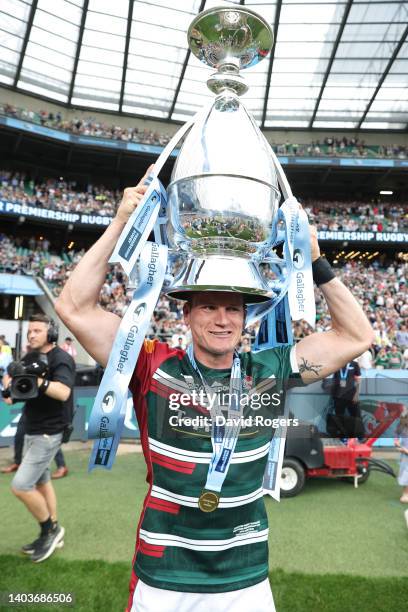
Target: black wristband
{"points": [[44, 386], [322, 271]]}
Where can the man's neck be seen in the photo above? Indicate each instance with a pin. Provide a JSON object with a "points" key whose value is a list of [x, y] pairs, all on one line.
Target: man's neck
{"points": [[217, 362], [47, 348]]}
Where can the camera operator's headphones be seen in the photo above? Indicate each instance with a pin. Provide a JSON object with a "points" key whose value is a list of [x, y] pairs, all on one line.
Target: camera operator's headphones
{"points": [[53, 331]]}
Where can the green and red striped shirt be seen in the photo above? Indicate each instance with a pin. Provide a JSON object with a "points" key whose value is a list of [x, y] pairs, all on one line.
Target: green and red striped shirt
{"points": [[178, 546]]}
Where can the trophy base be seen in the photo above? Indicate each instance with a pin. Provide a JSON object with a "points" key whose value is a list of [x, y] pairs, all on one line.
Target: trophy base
{"points": [[221, 273]]}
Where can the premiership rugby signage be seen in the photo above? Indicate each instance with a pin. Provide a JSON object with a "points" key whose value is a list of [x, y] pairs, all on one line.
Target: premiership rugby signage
{"points": [[59, 216], [363, 236]]}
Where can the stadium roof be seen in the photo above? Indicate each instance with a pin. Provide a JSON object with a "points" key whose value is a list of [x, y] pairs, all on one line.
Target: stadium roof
{"points": [[335, 65]]}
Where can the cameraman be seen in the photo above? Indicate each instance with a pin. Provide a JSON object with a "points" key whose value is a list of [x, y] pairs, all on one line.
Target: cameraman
{"points": [[47, 416]]}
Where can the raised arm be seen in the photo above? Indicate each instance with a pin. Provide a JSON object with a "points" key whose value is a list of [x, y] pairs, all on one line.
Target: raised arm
{"points": [[321, 354], [78, 305]]}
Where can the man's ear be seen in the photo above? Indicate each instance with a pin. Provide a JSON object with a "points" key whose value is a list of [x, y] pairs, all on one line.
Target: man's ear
{"points": [[186, 312]]}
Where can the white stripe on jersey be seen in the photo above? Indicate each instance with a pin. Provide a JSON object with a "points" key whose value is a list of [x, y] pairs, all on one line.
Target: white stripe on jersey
{"points": [[194, 457], [192, 502], [170, 381], [167, 539], [263, 385]]}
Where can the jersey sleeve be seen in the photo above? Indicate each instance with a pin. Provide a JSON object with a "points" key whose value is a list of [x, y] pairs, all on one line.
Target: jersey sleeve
{"points": [[282, 361], [152, 354], [286, 356]]}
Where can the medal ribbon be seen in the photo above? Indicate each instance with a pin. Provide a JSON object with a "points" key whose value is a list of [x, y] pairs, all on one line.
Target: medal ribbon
{"points": [[301, 291], [297, 292], [109, 409], [288, 214], [343, 375], [223, 437]]}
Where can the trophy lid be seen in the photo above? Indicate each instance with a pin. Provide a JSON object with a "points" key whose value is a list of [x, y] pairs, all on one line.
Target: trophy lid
{"points": [[228, 39]]}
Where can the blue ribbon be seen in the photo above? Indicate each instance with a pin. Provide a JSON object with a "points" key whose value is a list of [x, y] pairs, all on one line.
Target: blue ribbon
{"points": [[109, 409], [223, 437]]}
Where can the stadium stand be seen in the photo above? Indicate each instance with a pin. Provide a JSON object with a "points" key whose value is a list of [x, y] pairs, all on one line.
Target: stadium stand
{"points": [[338, 146], [381, 289], [86, 127], [57, 194]]}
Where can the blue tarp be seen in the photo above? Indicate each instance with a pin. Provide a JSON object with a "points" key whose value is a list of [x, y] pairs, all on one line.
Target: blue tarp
{"points": [[17, 284]]}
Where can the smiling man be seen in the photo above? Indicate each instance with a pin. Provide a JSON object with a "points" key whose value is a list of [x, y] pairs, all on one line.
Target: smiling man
{"points": [[216, 320], [200, 546]]}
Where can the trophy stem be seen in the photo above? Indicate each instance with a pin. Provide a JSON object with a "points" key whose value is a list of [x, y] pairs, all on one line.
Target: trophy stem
{"points": [[227, 78]]}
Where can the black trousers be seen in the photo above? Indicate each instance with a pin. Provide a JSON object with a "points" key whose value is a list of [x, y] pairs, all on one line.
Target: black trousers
{"points": [[342, 405], [346, 422], [19, 444]]}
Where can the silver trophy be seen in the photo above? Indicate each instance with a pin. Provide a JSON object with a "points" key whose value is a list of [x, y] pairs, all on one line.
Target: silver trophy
{"points": [[223, 195]]}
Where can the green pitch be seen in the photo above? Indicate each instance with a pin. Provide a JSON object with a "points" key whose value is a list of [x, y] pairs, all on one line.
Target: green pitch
{"points": [[332, 549]]}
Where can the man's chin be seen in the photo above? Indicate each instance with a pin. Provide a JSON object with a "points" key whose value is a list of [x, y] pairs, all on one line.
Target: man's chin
{"points": [[220, 349]]}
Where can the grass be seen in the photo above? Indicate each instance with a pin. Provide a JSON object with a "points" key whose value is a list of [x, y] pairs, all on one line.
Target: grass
{"points": [[98, 585], [332, 527], [333, 548]]}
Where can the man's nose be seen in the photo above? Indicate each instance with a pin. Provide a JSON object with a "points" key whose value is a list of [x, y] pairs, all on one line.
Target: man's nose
{"points": [[222, 316]]}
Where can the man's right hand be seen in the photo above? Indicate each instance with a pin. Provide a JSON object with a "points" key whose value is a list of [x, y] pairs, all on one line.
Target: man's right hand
{"points": [[132, 196]]}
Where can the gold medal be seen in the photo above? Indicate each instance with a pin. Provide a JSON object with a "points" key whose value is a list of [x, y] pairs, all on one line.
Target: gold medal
{"points": [[208, 501]]}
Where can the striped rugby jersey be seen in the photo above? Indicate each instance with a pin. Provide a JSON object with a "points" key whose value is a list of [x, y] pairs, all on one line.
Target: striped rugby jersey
{"points": [[178, 546]]}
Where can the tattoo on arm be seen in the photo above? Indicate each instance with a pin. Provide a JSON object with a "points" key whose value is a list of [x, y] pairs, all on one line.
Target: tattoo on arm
{"points": [[309, 367]]}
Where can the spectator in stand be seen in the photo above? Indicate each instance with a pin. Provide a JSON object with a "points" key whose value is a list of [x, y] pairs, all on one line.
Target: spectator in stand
{"points": [[69, 347], [401, 337], [381, 361], [395, 359], [381, 335], [179, 342]]}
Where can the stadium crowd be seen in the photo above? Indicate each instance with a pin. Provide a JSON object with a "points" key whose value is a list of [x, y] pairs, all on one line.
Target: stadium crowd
{"points": [[89, 126], [381, 290], [341, 146], [357, 216], [58, 194]]}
